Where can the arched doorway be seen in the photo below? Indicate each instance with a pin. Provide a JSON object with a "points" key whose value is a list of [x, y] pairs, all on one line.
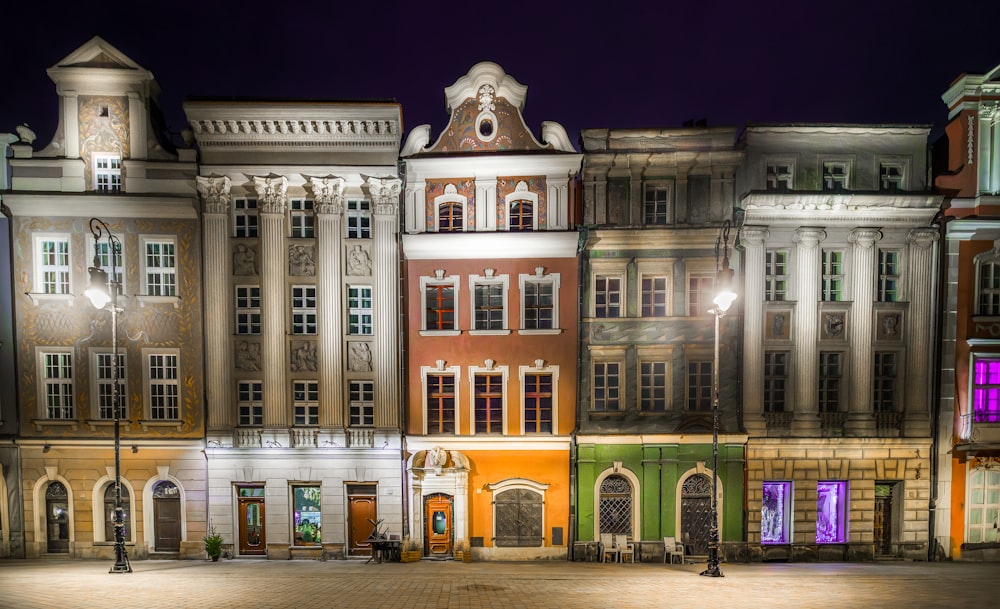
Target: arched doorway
{"points": [[696, 513], [166, 517], [57, 518]]}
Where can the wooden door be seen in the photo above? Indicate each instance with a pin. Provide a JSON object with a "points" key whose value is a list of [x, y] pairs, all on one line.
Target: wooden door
{"points": [[883, 519], [438, 533], [696, 513], [362, 510], [167, 524], [252, 539], [57, 518]]}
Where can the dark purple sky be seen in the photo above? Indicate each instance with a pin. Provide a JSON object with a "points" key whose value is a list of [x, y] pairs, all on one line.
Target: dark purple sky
{"points": [[594, 63]]}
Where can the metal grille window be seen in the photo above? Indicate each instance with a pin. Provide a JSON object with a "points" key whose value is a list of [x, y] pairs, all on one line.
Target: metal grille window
{"points": [[440, 403], [539, 305], [161, 268], [439, 301], [989, 289], [607, 296], [303, 309], [305, 402], [699, 386], [654, 296], [244, 217], [833, 275], [700, 292], [775, 379], [247, 309], [775, 275], [830, 377], [538, 403], [488, 389], [489, 311], [361, 403], [521, 216], [300, 218], [54, 266], [108, 172], [250, 397], [653, 386], [105, 383], [450, 218], [656, 205], [607, 386], [57, 369], [888, 275], [518, 517], [615, 506], [779, 177], [359, 219], [884, 383], [164, 388]]}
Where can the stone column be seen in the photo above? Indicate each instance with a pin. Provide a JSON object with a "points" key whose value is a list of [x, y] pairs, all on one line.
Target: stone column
{"points": [[384, 193], [753, 329], [272, 200], [860, 420], [806, 331], [919, 332], [217, 267], [328, 195]]}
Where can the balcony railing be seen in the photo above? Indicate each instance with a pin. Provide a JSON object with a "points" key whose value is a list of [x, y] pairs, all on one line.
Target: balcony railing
{"points": [[980, 427], [888, 424], [360, 437]]}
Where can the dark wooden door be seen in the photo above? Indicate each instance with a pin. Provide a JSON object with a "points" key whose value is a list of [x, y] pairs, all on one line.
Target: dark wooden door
{"points": [[696, 513], [252, 539], [167, 523], [438, 525], [883, 525], [57, 518], [362, 511]]}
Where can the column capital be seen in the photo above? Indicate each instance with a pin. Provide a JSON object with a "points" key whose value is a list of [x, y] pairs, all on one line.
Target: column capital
{"points": [[328, 193], [754, 236], [384, 193], [272, 192], [214, 191], [808, 237], [923, 237], [864, 237]]}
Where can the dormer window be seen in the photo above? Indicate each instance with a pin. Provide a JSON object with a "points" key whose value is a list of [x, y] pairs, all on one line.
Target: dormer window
{"points": [[890, 176], [779, 177], [835, 175], [107, 173]]}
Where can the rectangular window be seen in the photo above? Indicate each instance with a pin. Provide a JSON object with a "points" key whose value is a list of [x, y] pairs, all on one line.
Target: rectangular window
{"points": [[890, 177], [986, 391], [305, 402], [244, 217], [607, 296], [699, 386], [539, 301], [884, 383], [835, 176], [653, 386], [250, 402], [439, 300], [104, 383], [307, 515], [359, 219], [57, 381], [303, 309], [888, 275], [830, 377], [161, 268], [538, 403], [607, 386], [489, 306], [361, 398], [775, 379], [779, 177], [440, 403], [247, 309], [656, 205], [989, 289], [107, 173], [164, 387], [983, 505], [359, 310], [488, 396], [776, 513], [53, 265], [300, 218], [831, 512], [654, 296], [700, 292], [833, 276], [775, 275]]}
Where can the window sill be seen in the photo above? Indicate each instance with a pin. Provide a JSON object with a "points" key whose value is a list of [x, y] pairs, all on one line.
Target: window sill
{"points": [[174, 300], [146, 424], [547, 331], [41, 424], [40, 297], [489, 332], [653, 413], [94, 424], [440, 332]]}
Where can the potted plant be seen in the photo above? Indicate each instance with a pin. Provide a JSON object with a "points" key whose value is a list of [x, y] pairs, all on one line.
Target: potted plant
{"points": [[213, 544], [410, 551]]}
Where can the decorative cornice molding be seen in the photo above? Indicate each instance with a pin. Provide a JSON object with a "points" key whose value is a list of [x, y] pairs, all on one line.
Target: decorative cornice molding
{"points": [[296, 132], [215, 195], [271, 192]]}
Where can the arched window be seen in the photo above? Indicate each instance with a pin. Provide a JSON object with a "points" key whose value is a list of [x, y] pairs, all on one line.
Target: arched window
{"points": [[518, 514], [450, 218], [109, 512], [615, 505], [521, 216]]}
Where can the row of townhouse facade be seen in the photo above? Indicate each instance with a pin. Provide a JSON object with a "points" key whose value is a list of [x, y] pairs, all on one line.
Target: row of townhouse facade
{"points": [[485, 340]]}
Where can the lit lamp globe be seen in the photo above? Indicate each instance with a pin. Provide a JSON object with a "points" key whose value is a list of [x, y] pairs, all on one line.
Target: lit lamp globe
{"points": [[98, 291], [725, 296]]}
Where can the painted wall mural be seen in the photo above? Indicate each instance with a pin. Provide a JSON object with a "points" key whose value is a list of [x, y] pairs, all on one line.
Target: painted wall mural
{"points": [[511, 132], [104, 122]]}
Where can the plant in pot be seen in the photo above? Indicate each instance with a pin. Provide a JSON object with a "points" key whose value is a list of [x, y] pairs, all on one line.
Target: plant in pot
{"points": [[213, 544], [410, 551]]}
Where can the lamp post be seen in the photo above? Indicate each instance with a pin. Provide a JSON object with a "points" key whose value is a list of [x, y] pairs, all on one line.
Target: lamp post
{"points": [[724, 297], [103, 294]]}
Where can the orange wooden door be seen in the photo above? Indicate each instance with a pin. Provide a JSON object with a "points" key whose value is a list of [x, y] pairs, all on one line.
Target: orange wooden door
{"points": [[361, 510], [252, 539], [438, 528]]}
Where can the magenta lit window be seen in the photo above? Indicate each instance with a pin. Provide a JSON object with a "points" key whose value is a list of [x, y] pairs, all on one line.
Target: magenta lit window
{"points": [[776, 513], [986, 391], [831, 512]]}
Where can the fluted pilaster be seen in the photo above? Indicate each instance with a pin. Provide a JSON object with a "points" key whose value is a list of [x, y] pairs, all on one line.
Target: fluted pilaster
{"points": [[916, 414], [272, 200], [807, 273], [860, 421], [753, 329], [328, 194]]}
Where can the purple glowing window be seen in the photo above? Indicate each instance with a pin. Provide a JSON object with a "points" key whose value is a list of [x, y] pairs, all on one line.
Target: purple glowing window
{"points": [[831, 504], [986, 391], [776, 513]]}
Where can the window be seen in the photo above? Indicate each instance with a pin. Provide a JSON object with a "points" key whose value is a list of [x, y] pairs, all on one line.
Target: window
{"points": [[652, 386], [701, 290], [776, 512], [539, 401], [361, 403], [305, 402], [304, 309], [109, 511], [359, 310], [607, 296], [884, 383], [359, 219], [103, 385], [244, 217], [775, 380], [57, 383], [699, 386], [615, 507], [989, 289], [539, 302], [441, 403], [779, 177], [986, 391], [488, 397], [831, 512], [888, 275], [833, 276], [489, 298], [890, 176], [164, 386], [450, 218], [440, 307], [775, 275], [300, 218], [52, 270], [607, 387], [835, 175], [521, 216], [654, 296], [983, 505], [107, 173], [656, 205], [250, 397], [161, 270], [518, 515], [830, 376], [247, 309], [307, 515]]}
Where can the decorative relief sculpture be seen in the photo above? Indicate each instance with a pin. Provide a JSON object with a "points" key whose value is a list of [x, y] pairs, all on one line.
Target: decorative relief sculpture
{"points": [[358, 262], [360, 357], [301, 261], [777, 324], [889, 325], [248, 356], [303, 356], [244, 259], [833, 325]]}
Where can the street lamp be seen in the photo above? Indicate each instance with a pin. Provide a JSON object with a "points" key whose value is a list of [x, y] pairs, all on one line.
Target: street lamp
{"points": [[724, 297], [103, 294]]}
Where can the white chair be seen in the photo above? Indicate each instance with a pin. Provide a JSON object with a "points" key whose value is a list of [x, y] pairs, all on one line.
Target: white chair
{"points": [[608, 548], [672, 548], [625, 549]]}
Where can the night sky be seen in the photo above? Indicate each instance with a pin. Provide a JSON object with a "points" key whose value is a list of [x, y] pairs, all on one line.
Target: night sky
{"points": [[586, 64]]}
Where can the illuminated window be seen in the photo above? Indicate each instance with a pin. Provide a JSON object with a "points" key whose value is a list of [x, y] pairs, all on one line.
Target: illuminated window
{"points": [[160, 268], [607, 296], [102, 385], [779, 177], [654, 296], [488, 395], [52, 267], [359, 219], [162, 377], [701, 290], [890, 176], [983, 506], [986, 390], [244, 217], [107, 173], [450, 218], [884, 383], [360, 312], [775, 275], [440, 403], [104, 259], [250, 403], [361, 403], [656, 205], [539, 302], [652, 386], [247, 309], [888, 275], [988, 285], [538, 403], [830, 378], [831, 512], [835, 175], [307, 515], [300, 218], [521, 216], [776, 513], [607, 387], [439, 303], [833, 276], [109, 512], [303, 309], [56, 377], [305, 402], [699, 385], [775, 380]]}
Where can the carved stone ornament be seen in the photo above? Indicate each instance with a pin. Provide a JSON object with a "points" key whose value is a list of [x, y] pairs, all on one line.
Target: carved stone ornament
{"points": [[384, 193], [359, 358], [272, 193], [303, 356], [328, 193], [486, 95], [248, 356], [214, 191], [244, 259], [301, 260], [359, 264], [833, 325]]}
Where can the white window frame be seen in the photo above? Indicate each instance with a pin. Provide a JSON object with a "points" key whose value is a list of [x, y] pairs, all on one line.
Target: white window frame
{"points": [[254, 407], [971, 503], [489, 368], [541, 367], [107, 165], [63, 271], [827, 277], [830, 164], [103, 255], [773, 179], [309, 403], [540, 278], [150, 381], [489, 278], [365, 408], [247, 306], [301, 218], [611, 269], [439, 279], [439, 369], [521, 193], [302, 300], [99, 382], [358, 329], [697, 268], [892, 162], [450, 196], [161, 271], [771, 280], [66, 386], [657, 186], [357, 211], [601, 355], [242, 208]]}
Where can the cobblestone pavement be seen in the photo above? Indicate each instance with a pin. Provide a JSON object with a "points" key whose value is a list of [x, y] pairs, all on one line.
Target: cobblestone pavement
{"points": [[40, 584]]}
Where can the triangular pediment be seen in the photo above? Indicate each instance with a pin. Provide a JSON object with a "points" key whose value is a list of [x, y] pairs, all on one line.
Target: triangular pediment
{"points": [[98, 53]]}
